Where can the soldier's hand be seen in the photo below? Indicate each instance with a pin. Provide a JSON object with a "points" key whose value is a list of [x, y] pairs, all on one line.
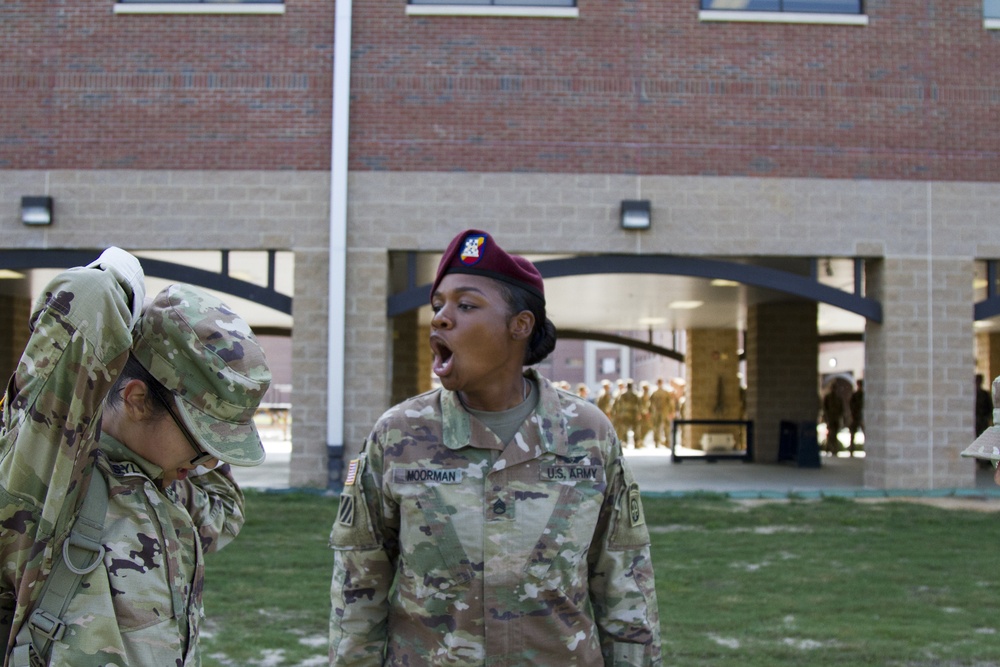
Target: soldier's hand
{"points": [[128, 272]]}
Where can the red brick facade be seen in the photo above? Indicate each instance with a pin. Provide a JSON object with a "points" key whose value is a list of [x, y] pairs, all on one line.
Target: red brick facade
{"points": [[630, 87], [84, 88], [644, 87]]}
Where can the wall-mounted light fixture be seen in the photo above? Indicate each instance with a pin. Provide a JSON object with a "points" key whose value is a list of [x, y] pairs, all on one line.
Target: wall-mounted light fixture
{"points": [[636, 214], [36, 210]]}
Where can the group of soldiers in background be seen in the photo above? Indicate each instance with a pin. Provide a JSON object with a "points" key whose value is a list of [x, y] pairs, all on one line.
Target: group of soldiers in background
{"points": [[637, 414]]}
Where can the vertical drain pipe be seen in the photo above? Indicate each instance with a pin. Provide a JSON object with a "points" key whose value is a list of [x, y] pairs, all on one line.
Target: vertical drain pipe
{"points": [[338, 245]]}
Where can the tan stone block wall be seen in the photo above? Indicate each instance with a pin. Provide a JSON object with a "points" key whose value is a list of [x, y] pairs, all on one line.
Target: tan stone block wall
{"points": [[782, 375], [713, 389], [368, 339], [309, 369], [919, 397]]}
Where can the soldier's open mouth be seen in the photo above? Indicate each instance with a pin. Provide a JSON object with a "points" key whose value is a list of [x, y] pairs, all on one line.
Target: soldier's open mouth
{"points": [[443, 356]]}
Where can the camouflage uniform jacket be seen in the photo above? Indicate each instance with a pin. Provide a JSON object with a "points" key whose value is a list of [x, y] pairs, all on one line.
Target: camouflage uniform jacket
{"points": [[452, 549], [142, 607]]}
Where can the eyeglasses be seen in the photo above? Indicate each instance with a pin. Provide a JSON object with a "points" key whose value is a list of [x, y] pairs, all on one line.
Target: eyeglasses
{"points": [[201, 456]]}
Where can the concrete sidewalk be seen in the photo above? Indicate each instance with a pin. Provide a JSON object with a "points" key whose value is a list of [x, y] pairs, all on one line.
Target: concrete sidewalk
{"points": [[657, 474]]}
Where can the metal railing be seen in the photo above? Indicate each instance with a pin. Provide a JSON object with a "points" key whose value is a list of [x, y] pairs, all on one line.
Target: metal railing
{"points": [[714, 443]]}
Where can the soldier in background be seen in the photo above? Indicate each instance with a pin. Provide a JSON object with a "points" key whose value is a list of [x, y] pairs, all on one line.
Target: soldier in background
{"points": [[679, 387], [626, 413], [605, 399], [619, 390], [857, 405], [662, 409], [152, 404], [645, 423], [617, 420], [494, 520], [833, 417]]}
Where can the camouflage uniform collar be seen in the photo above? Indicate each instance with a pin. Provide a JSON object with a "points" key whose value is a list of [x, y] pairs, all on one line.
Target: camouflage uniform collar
{"points": [[549, 435], [123, 461]]}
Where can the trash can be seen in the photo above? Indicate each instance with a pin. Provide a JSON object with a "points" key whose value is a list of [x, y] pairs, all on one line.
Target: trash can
{"points": [[808, 454], [788, 441], [797, 442]]}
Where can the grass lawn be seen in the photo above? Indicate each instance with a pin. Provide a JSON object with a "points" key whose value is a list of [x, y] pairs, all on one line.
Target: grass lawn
{"points": [[811, 583]]}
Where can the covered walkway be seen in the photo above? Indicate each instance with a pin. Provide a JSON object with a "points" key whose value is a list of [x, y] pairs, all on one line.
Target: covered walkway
{"points": [[656, 474]]}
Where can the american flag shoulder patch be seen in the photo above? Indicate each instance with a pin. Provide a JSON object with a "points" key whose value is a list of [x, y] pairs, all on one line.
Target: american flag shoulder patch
{"points": [[352, 472]]}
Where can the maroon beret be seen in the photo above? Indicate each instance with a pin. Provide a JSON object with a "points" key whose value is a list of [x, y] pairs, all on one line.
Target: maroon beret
{"points": [[476, 253]]}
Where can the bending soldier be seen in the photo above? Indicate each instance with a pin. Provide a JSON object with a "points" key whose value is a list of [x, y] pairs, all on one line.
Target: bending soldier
{"points": [[149, 404]]}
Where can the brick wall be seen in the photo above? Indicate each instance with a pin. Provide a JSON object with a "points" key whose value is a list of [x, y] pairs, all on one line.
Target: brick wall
{"points": [[627, 88], [782, 378], [83, 88], [645, 88]]}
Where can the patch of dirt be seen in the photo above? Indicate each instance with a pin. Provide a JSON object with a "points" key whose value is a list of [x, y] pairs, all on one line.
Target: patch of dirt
{"points": [[969, 503], [976, 504]]}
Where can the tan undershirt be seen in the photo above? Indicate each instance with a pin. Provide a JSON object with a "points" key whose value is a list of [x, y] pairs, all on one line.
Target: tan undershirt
{"points": [[506, 423]]}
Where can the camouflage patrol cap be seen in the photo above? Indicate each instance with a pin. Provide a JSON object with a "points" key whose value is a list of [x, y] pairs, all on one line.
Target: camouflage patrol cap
{"points": [[208, 357], [987, 445]]}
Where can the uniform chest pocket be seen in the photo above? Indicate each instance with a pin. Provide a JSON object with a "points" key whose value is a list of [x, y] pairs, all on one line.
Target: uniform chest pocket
{"points": [[566, 537], [430, 546]]}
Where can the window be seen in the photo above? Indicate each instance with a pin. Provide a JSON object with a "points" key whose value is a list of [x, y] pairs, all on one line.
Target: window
{"points": [[991, 9], [201, 2], [199, 7], [565, 9], [503, 3], [804, 6]]}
